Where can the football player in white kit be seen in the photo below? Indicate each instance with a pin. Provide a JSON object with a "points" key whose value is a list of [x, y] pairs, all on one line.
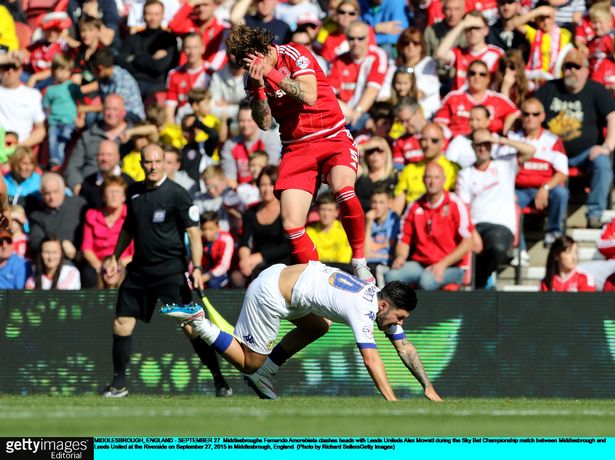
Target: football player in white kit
{"points": [[306, 294]]}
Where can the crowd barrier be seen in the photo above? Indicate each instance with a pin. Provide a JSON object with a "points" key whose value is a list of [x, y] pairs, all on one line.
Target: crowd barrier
{"points": [[473, 344]]}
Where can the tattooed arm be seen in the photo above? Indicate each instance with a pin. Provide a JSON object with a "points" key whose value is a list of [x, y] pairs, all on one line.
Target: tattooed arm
{"points": [[261, 112], [302, 88], [410, 357]]}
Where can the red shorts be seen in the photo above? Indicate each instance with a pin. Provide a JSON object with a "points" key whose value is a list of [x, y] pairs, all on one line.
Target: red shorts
{"points": [[305, 164]]}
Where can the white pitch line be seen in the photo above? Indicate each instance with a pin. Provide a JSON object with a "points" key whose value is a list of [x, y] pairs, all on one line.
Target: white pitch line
{"points": [[111, 412]]}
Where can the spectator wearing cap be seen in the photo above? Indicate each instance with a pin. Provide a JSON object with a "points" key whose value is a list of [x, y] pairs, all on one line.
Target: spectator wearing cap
{"points": [[549, 43], [488, 188], [112, 79], [541, 180], [503, 33], [456, 106], [475, 27], [21, 109], [388, 18], [58, 215], [150, 54], [331, 38], [197, 16], [578, 110], [437, 228], [37, 67], [410, 185], [14, 270], [263, 17], [358, 75]]}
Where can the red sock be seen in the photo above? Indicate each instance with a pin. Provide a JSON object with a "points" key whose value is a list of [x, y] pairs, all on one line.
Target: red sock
{"points": [[303, 249], [353, 220]]}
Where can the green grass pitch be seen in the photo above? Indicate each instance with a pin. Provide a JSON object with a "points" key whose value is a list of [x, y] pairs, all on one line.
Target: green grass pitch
{"points": [[140, 415]]}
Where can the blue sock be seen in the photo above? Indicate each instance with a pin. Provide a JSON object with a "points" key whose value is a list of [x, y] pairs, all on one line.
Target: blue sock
{"points": [[222, 342]]}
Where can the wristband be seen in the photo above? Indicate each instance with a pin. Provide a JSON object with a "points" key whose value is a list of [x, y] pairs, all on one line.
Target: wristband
{"points": [[274, 76], [259, 93]]}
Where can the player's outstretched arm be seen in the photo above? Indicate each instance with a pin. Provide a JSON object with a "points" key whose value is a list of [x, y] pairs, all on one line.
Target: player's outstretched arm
{"points": [[411, 359], [375, 367]]}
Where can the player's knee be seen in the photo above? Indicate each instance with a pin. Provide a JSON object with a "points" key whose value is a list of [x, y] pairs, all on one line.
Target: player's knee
{"points": [[123, 326]]}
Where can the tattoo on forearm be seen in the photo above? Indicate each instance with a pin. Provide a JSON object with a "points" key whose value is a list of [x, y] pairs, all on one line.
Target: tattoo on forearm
{"points": [[293, 89], [261, 112], [410, 358]]}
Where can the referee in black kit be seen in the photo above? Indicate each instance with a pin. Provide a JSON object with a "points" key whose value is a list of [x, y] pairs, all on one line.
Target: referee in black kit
{"points": [[159, 211]]}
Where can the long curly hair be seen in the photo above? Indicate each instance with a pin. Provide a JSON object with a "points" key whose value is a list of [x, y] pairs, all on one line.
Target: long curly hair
{"points": [[513, 58], [244, 40]]}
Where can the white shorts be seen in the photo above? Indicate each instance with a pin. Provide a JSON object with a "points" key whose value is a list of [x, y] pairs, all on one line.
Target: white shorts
{"points": [[263, 308]]}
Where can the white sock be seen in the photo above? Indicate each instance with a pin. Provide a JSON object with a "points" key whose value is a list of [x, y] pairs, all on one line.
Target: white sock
{"points": [[356, 262], [269, 368], [208, 331]]}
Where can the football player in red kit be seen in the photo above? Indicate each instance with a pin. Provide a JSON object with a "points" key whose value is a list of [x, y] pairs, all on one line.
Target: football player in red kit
{"points": [[285, 82]]}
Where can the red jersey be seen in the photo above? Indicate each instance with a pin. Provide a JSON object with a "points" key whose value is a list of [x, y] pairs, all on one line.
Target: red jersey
{"points": [[42, 53], [456, 106], [609, 284], [604, 73], [218, 254], [575, 281], [600, 48], [606, 243], [241, 154], [349, 78], [550, 157], [181, 80], [407, 149], [434, 232], [298, 121], [584, 31], [213, 35], [462, 58]]}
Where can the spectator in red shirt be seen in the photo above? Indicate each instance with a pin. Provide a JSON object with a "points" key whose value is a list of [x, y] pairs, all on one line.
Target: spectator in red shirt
{"points": [[217, 252], [562, 273], [407, 148], [197, 16], [436, 234], [602, 269], [357, 76], [475, 27], [456, 106], [192, 74], [541, 180]]}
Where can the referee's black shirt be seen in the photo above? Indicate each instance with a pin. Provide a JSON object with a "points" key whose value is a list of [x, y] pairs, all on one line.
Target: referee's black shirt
{"points": [[156, 220]]}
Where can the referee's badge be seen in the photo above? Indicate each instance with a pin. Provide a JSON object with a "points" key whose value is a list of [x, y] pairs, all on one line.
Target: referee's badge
{"points": [[159, 215], [193, 213]]}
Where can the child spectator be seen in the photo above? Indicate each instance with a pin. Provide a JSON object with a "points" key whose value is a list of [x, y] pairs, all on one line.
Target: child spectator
{"points": [[328, 234], [562, 273], [42, 52], [601, 45], [8, 143], [217, 252], [200, 101], [604, 72], [51, 272], [219, 198], [403, 85], [60, 104], [248, 191], [198, 153], [18, 224], [382, 228]]}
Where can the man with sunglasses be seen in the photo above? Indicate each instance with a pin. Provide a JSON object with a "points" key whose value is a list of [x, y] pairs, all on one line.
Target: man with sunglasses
{"points": [[578, 110], [488, 188], [21, 108], [541, 180]]}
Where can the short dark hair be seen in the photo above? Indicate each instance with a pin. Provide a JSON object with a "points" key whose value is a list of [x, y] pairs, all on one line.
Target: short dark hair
{"points": [[244, 40], [102, 57], [483, 108], [383, 188], [381, 109], [271, 172], [326, 198], [399, 295], [209, 216], [153, 2]]}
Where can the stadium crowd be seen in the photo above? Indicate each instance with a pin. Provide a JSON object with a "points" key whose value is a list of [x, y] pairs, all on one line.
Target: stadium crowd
{"points": [[463, 112]]}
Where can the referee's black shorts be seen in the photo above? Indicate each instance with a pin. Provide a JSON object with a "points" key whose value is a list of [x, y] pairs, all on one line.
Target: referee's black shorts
{"points": [[138, 294]]}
